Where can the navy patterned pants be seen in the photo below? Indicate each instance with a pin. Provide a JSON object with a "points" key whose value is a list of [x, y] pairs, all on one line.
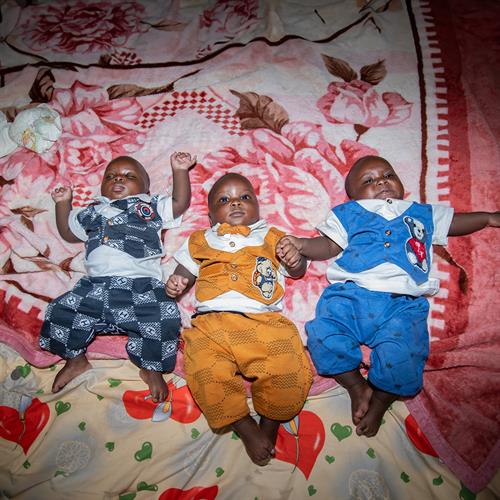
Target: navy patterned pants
{"points": [[138, 307]]}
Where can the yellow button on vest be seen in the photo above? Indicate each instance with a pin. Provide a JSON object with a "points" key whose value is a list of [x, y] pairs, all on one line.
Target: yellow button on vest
{"points": [[232, 243], [234, 277], [387, 244], [106, 238], [388, 232]]}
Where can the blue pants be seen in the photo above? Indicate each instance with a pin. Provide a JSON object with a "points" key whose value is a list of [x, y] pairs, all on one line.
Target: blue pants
{"points": [[138, 307], [393, 326]]}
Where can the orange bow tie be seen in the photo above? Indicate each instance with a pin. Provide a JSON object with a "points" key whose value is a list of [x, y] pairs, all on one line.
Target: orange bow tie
{"points": [[226, 228]]}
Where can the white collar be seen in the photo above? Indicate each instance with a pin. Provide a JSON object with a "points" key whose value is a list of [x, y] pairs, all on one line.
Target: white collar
{"points": [[389, 208], [142, 196], [260, 224]]}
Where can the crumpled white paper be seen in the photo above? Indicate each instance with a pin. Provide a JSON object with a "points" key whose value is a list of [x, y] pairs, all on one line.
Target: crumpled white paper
{"points": [[37, 129]]}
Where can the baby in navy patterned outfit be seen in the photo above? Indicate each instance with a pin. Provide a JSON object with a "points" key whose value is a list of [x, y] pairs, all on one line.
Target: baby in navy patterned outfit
{"points": [[123, 291], [383, 246]]}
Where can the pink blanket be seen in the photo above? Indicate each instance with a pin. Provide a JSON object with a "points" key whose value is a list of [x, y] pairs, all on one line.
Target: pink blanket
{"points": [[458, 408], [289, 95]]}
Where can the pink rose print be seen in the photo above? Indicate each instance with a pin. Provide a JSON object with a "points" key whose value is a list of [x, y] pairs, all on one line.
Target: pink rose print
{"points": [[357, 102], [298, 176], [27, 235], [95, 130], [82, 27], [230, 17]]}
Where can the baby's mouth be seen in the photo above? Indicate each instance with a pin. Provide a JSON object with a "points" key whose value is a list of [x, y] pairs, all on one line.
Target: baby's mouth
{"points": [[237, 213], [117, 188], [385, 193]]}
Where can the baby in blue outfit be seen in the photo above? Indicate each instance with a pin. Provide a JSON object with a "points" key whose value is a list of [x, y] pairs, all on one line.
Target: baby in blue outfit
{"points": [[378, 284]]}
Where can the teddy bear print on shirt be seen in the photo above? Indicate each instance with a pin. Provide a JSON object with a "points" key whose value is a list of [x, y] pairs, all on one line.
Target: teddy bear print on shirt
{"points": [[264, 277], [415, 246]]}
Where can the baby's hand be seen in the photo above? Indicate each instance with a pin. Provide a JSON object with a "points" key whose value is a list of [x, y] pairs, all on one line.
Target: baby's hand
{"points": [[285, 243], [494, 219], [288, 250], [62, 193], [175, 285], [182, 161]]}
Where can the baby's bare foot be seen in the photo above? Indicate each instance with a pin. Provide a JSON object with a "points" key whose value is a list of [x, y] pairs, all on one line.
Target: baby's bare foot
{"points": [[359, 391], [360, 395], [72, 368], [157, 386], [258, 446], [379, 404], [270, 429]]}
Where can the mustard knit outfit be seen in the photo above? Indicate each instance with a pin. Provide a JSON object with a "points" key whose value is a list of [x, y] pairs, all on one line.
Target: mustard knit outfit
{"points": [[225, 347]]}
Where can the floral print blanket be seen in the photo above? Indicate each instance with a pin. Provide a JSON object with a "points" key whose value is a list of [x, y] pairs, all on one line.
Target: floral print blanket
{"points": [[288, 94]]}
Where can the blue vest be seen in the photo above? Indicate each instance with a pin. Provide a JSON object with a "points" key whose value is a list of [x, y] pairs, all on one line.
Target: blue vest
{"points": [[133, 231], [373, 240]]}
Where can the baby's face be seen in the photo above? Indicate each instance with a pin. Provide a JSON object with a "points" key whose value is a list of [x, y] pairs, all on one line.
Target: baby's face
{"points": [[234, 202], [375, 179], [122, 179]]}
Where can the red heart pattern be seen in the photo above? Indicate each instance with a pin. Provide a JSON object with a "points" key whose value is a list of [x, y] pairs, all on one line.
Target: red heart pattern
{"points": [[24, 431], [300, 441]]}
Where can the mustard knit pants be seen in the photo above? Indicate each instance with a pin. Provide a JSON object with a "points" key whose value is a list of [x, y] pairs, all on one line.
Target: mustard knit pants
{"points": [[222, 347]]}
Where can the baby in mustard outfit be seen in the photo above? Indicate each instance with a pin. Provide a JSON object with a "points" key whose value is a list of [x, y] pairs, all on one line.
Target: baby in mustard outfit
{"points": [[238, 331]]}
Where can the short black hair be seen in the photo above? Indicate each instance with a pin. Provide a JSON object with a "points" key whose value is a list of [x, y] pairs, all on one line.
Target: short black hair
{"points": [[137, 164]]}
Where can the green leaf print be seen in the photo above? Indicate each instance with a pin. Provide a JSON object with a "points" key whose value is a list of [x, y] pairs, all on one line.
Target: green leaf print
{"points": [[341, 431], [127, 496], [62, 407], [114, 382], [466, 494], [145, 452], [143, 486]]}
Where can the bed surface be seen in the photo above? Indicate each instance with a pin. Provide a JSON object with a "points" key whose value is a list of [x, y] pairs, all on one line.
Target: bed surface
{"points": [[289, 94]]}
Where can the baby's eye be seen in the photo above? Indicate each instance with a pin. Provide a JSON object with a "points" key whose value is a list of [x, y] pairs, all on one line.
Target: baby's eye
{"points": [[245, 196], [109, 176], [130, 176], [389, 174], [223, 199], [368, 181]]}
